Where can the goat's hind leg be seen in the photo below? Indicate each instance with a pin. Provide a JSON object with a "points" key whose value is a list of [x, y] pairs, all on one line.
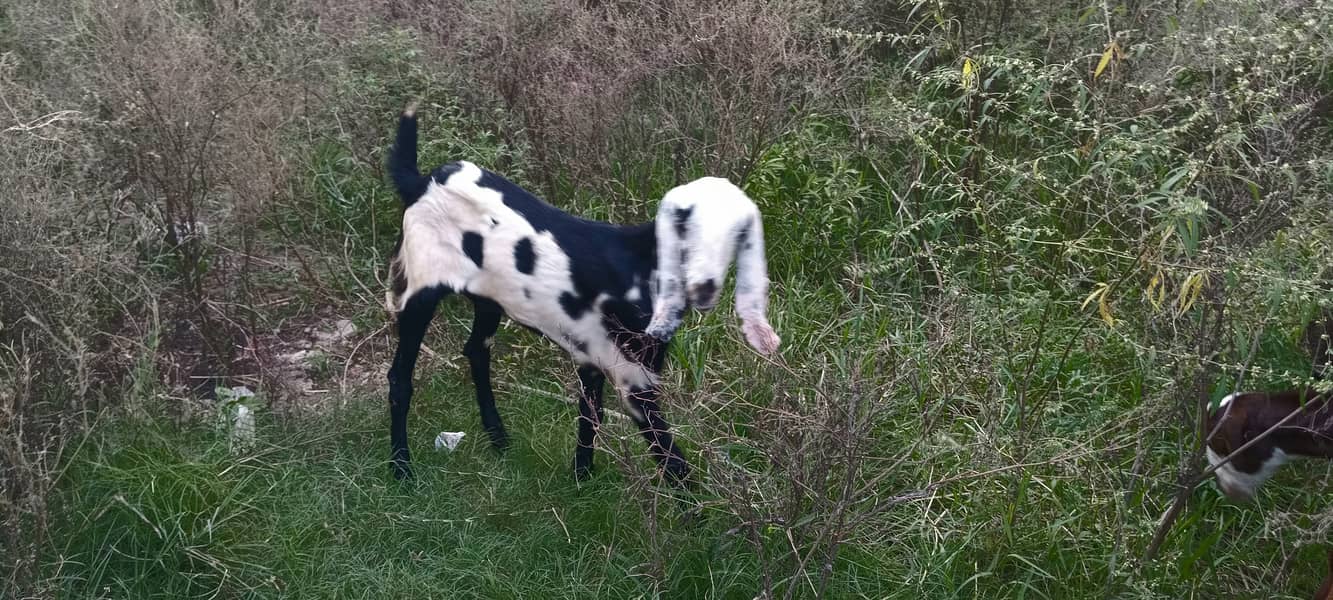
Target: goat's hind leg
{"points": [[591, 416], [412, 323], [485, 321]]}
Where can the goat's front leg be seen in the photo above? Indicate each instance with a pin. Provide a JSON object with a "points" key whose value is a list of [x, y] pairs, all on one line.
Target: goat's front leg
{"points": [[642, 404], [412, 323], [591, 382], [485, 321]]}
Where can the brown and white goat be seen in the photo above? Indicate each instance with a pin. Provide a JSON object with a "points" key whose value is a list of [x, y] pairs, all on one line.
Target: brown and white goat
{"points": [[1301, 424], [1245, 416]]}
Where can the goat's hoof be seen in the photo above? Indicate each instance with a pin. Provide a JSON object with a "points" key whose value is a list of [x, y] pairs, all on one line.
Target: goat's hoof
{"points": [[582, 469], [499, 440], [678, 474], [691, 514], [402, 472]]}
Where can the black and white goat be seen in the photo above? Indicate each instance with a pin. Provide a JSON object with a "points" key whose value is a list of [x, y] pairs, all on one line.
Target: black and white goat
{"points": [[590, 287]]}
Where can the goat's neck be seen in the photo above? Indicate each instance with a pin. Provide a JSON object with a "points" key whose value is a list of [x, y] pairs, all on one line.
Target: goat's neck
{"points": [[641, 240]]}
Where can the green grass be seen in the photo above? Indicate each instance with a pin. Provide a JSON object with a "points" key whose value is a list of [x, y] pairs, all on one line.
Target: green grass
{"points": [[168, 513], [153, 509], [164, 512]]}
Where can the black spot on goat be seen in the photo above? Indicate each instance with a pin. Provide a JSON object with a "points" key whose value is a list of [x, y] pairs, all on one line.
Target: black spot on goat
{"points": [[524, 258], [472, 247]]}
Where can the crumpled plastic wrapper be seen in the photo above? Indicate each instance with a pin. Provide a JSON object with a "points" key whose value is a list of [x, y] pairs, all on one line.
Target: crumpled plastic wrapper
{"points": [[448, 440], [237, 418], [242, 428]]}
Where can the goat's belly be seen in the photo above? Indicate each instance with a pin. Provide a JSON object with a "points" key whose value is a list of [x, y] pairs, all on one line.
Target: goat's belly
{"points": [[580, 338], [585, 338], [535, 307]]}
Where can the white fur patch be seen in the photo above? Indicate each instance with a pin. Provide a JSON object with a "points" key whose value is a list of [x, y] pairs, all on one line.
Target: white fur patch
{"points": [[432, 254], [633, 294], [1240, 485]]}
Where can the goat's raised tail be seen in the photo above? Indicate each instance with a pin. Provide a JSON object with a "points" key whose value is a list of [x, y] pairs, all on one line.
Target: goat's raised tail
{"points": [[409, 181]]}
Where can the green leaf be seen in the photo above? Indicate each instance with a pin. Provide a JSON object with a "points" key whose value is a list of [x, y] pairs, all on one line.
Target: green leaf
{"points": [[1087, 13]]}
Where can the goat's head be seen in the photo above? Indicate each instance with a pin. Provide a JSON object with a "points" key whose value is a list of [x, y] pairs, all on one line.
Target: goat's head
{"points": [[702, 227]]}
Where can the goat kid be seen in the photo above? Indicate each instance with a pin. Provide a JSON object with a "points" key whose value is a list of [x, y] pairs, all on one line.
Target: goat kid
{"points": [[1242, 417], [586, 285]]}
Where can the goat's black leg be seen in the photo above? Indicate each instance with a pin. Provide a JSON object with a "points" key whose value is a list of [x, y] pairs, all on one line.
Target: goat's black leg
{"points": [[643, 407], [591, 382], [485, 321], [412, 323]]}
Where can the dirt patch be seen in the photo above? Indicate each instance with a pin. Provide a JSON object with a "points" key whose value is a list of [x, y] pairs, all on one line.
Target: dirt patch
{"points": [[309, 365], [300, 367]]}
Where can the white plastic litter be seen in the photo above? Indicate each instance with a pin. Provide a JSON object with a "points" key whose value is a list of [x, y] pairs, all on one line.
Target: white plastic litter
{"points": [[242, 428], [448, 440], [236, 416]]}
